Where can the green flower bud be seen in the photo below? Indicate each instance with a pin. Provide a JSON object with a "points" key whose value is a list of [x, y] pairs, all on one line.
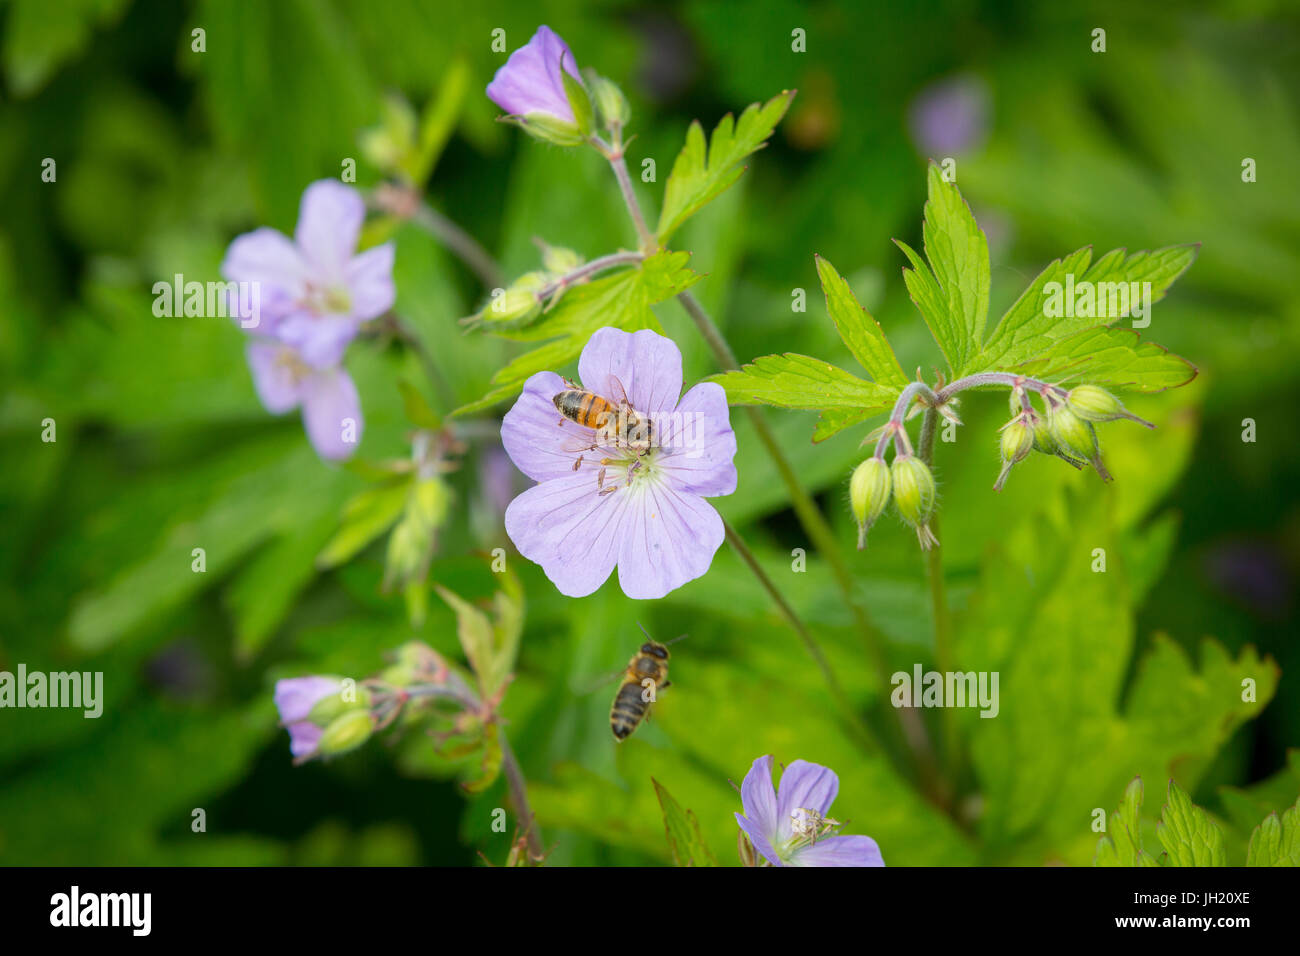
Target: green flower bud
{"points": [[550, 129], [868, 494], [1017, 442], [557, 260], [611, 104], [345, 733], [512, 308], [1043, 440], [348, 697], [914, 495], [1075, 438], [1094, 404]]}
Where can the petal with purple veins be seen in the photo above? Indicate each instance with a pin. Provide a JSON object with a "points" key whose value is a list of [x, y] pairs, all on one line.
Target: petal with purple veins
{"points": [[530, 80], [839, 851], [758, 796], [541, 442], [570, 530], [758, 837], [699, 443], [669, 538], [647, 366]]}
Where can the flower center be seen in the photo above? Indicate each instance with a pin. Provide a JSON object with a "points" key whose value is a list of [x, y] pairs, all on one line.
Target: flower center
{"points": [[294, 368], [807, 826], [327, 300]]}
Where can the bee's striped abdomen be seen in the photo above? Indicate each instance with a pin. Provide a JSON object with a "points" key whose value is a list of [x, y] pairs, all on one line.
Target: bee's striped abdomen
{"points": [[585, 408], [628, 709]]}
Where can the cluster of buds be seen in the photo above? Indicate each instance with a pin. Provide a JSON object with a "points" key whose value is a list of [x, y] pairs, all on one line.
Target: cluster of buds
{"points": [[522, 302], [908, 482], [1066, 430]]}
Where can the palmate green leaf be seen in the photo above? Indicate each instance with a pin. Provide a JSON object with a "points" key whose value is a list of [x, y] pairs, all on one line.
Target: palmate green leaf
{"points": [[797, 381], [684, 839], [1027, 334], [1276, 842], [952, 291], [622, 301], [1113, 357], [702, 172], [859, 330], [1188, 834], [1122, 844]]}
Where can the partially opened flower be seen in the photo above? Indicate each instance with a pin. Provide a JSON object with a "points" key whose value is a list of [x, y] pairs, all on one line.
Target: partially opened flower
{"points": [[530, 88], [790, 826], [294, 699], [315, 291], [604, 500], [331, 408]]}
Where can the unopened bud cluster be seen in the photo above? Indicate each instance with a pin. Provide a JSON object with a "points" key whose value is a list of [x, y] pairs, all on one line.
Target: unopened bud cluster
{"points": [[910, 485]]}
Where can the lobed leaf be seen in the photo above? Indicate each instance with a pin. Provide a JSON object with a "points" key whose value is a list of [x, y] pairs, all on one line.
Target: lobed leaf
{"points": [[859, 329], [797, 381], [684, 838], [1188, 834], [1276, 842]]}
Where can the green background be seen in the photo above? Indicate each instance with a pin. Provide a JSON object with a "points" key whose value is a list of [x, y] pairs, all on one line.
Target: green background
{"points": [[165, 154]]}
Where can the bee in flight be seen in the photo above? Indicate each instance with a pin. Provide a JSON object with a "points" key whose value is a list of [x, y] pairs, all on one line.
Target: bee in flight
{"points": [[616, 423], [646, 674]]}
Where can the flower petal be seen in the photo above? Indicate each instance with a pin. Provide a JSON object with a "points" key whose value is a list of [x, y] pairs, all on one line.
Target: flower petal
{"points": [[274, 376], [331, 413], [699, 444], [320, 340], [369, 280], [804, 785], [646, 365], [839, 851], [668, 538], [570, 530], [329, 225], [759, 839], [759, 798], [268, 260], [530, 80], [296, 696], [541, 442], [304, 737]]}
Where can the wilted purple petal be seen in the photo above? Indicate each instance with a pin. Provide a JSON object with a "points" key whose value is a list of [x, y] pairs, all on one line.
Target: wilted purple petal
{"points": [[839, 851], [369, 278], [570, 530], [277, 376], [804, 786], [669, 537], [646, 365], [530, 80], [296, 696], [331, 413], [329, 225], [703, 444], [538, 439]]}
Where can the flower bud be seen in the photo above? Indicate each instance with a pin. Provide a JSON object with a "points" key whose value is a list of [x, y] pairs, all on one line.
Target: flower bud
{"points": [[558, 260], [1017, 442], [611, 105], [868, 494], [1094, 404], [1074, 437], [347, 698], [914, 495], [345, 733], [550, 129], [1043, 440], [514, 307]]}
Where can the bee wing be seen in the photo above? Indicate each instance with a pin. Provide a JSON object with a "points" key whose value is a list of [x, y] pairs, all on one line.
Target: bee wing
{"points": [[619, 395], [593, 684]]}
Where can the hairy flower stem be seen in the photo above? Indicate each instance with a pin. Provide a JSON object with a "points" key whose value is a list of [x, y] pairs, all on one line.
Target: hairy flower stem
{"points": [[586, 270], [519, 796], [857, 728], [943, 655], [618, 163]]}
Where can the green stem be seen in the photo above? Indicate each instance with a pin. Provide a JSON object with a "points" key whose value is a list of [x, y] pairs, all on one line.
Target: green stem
{"points": [[859, 730], [943, 654], [519, 796]]}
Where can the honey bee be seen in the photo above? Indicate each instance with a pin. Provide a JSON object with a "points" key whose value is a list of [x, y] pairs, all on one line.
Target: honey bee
{"points": [[646, 674], [616, 423]]}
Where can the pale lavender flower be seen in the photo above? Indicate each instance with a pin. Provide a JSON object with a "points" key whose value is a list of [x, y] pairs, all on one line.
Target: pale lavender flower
{"points": [[790, 827], [331, 408], [649, 517], [530, 81], [315, 291], [294, 698], [950, 116]]}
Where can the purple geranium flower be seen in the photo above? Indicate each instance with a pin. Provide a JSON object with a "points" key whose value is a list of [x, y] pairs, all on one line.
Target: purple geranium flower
{"points": [[790, 827], [530, 81], [315, 291], [599, 503], [331, 408], [294, 698]]}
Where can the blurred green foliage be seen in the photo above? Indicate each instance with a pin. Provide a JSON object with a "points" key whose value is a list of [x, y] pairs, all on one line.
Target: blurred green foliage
{"points": [[164, 154]]}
